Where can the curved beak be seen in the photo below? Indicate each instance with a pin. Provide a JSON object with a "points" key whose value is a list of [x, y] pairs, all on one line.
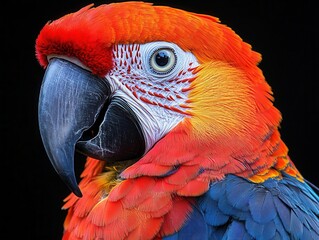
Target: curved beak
{"points": [[76, 112]]}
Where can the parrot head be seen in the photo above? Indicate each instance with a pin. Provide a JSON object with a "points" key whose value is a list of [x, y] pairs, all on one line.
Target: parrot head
{"points": [[158, 90]]}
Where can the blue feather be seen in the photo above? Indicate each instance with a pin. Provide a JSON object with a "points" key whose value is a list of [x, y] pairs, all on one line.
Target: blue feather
{"points": [[284, 209], [296, 226], [236, 230], [195, 228], [215, 217], [283, 212], [260, 231], [261, 206], [238, 194]]}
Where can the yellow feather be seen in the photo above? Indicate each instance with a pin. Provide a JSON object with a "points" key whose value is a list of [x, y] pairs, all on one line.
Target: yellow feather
{"points": [[221, 100]]}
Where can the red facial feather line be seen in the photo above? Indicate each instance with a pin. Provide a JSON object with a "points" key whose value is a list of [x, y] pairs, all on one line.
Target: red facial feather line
{"points": [[170, 94]]}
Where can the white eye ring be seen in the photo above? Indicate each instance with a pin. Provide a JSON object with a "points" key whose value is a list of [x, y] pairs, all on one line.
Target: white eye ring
{"points": [[163, 60]]}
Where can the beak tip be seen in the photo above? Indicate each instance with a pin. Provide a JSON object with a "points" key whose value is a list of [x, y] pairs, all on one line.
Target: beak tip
{"points": [[70, 181], [77, 192]]}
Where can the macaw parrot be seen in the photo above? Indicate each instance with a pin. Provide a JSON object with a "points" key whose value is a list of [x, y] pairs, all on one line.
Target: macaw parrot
{"points": [[177, 124]]}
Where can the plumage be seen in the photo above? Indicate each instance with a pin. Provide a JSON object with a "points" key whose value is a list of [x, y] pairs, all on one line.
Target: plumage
{"points": [[179, 128], [272, 208]]}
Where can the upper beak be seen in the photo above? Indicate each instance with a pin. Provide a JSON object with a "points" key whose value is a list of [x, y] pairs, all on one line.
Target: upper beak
{"points": [[77, 111]]}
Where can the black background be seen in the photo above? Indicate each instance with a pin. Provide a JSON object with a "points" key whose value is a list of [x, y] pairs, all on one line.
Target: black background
{"points": [[286, 33]]}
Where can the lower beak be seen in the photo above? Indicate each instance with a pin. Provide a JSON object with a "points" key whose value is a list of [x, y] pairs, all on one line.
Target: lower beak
{"points": [[76, 112]]}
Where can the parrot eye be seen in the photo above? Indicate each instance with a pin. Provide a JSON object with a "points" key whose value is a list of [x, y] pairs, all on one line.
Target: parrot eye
{"points": [[163, 60]]}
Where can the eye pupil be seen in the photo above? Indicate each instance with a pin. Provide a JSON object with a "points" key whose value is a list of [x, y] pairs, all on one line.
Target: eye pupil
{"points": [[162, 58]]}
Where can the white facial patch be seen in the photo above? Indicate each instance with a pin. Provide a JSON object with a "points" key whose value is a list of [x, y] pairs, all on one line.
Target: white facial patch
{"points": [[154, 78]]}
